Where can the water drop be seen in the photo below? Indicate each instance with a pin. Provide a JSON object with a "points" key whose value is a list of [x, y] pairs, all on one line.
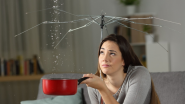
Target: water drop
{"points": [[55, 6], [57, 57], [26, 13], [55, 11], [55, 1]]}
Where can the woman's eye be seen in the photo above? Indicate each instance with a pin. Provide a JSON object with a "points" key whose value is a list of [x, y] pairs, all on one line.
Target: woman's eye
{"points": [[101, 52], [113, 54]]}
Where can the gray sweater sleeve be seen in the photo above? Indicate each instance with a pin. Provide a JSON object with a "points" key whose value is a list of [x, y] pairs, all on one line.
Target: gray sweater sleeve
{"points": [[93, 95], [139, 87]]}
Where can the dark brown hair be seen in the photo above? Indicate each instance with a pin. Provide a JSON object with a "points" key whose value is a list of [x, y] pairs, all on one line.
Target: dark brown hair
{"points": [[126, 50]]}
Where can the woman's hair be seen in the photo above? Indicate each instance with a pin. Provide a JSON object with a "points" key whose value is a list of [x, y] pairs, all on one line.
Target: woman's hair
{"points": [[126, 50]]}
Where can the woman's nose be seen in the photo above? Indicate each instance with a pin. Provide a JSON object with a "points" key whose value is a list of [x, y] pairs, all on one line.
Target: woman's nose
{"points": [[105, 58]]}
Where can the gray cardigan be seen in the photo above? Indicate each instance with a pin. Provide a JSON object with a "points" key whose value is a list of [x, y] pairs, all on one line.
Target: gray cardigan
{"points": [[136, 88]]}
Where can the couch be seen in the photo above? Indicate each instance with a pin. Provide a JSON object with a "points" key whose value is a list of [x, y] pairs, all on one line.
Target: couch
{"points": [[170, 86]]}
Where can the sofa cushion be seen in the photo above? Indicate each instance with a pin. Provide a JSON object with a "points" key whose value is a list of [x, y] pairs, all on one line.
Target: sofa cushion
{"points": [[85, 95], [170, 87], [72, 99]]}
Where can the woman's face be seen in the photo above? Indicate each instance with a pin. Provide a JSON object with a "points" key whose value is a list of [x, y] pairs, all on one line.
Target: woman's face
{"points": [[110, 58]]}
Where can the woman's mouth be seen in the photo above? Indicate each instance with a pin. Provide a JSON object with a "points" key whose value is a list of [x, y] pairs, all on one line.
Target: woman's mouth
{"points": [[105, 65]]}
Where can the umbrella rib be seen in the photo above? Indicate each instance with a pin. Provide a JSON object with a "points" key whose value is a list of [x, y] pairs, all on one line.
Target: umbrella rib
{"points": [[70, 30]]}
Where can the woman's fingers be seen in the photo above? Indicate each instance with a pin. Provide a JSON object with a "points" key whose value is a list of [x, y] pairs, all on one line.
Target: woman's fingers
{"points": [[87, 80], [88, 75], [94, 81]]}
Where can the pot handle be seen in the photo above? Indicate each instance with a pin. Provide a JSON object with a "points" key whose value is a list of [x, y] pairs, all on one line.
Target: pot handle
{"points": [[82, 79]]}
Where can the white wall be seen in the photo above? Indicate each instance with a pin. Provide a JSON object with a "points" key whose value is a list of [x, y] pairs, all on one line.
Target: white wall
{"points": [[172, 10]]}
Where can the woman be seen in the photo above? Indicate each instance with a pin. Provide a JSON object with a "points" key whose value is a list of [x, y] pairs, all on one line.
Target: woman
{"points": [[120, 77]]}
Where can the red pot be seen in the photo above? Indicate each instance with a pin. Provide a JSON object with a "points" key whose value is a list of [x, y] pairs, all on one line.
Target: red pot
{"points": [[59, 86]]}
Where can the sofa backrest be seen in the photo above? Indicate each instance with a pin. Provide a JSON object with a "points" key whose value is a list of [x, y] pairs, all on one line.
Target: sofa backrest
{"points": [[41, 95], [170, 87]]}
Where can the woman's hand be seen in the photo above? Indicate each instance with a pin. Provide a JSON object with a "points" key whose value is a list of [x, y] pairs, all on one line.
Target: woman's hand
{"points": [[97, 83], [94, 82]]}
